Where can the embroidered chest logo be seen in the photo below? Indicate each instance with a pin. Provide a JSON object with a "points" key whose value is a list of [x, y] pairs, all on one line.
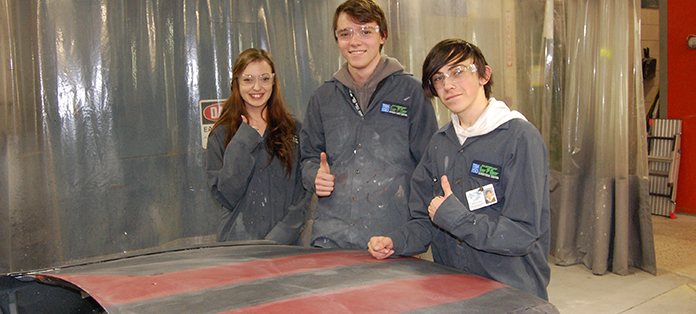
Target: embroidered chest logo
{"points": [[395, 109], [486, 170]]}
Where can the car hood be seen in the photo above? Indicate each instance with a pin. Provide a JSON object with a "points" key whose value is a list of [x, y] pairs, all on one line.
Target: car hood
{"points": [[259, 278]]}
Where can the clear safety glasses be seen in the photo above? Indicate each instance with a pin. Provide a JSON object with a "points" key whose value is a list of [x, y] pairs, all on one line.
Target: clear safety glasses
{"points": [[265, 79], [363, 32], [455, 74]]}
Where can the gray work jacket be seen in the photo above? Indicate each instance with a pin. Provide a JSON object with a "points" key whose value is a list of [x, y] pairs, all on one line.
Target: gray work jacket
{"points": [[259, 200], [508, 241], [372, 156]]}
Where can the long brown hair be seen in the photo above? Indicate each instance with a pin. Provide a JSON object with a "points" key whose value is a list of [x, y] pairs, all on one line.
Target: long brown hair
{"points": [[281, 126]]}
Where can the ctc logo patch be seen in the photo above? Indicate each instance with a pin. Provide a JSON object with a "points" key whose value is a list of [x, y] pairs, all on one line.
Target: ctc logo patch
{"points": [[485, 170], [395, 109]]}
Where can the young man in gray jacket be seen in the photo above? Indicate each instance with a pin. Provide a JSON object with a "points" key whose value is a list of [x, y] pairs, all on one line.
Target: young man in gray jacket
{"points": [[364, 132], [480, 195]]}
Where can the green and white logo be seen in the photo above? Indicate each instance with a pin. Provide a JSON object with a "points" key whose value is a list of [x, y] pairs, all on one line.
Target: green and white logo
{"points": [[395, 109]]}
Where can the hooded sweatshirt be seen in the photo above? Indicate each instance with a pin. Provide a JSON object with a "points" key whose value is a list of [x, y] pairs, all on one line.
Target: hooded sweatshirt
{"points": [[385, 67], [495, 114]]}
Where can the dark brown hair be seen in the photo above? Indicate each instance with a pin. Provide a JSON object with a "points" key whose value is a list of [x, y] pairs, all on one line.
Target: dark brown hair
{"points": [[449, 51], [281, 128], [362, 12]]}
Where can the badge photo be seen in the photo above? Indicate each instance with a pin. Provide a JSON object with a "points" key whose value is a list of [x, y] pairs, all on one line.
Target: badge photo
{"points": [[481, 197]]}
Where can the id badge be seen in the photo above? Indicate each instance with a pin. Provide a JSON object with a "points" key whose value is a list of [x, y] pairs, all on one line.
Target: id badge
{"points": [[481, 197]]}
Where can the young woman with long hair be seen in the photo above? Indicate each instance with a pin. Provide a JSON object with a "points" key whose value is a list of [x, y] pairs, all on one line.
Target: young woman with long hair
{"points": [[253, 157]]}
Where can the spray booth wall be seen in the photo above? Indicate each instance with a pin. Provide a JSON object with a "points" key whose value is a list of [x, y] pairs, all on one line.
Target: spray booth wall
{"points": [[101, 152]]}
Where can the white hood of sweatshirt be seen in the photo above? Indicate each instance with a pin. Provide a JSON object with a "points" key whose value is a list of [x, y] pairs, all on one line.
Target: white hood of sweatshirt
{"points": [[496, 113]]}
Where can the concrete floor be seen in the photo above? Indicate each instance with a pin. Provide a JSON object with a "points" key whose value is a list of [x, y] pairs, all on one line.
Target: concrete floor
{"points": [[574, 289]]}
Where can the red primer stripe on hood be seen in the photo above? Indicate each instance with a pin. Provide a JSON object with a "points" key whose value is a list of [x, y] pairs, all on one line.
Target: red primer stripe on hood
{"points": [[385, 297], [118, 289]]}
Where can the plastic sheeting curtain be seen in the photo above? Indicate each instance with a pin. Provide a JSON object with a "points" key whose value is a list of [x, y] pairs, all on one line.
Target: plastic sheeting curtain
{"points": [[600, 203], [100, 137], [100, 150]]}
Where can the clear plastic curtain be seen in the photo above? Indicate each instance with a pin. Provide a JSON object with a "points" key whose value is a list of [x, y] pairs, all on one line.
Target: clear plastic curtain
{"points": [[601, 216], [100, 137], [100, 145]]}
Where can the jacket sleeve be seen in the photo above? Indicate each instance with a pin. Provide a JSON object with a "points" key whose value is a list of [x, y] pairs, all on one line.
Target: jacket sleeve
{"points": [[415, 236], [229, 169], [423, 124], [312, 144], [288, 230], [517, 228]]}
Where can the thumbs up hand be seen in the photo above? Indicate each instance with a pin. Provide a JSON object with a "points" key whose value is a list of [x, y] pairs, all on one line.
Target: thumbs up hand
{"points": [[246, 120], [437, 201], [324, 181], [446, 186]]}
